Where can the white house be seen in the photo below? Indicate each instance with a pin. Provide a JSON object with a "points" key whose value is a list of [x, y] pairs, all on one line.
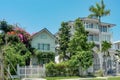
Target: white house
{"points": [[44, 41], [98, 32]]}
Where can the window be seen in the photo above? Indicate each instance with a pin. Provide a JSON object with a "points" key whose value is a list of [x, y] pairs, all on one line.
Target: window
{"points": [[93, 38], [103, 29], [106, 37], [95, 26], [91, 25], [43, 47]]}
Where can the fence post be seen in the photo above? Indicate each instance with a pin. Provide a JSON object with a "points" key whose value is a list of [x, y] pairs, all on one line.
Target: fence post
{"points": [[25, 71], [31, 71], [44, 70], [18, 70]]}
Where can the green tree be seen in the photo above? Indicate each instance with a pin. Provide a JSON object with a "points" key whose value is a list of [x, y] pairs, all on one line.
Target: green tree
{"points": [[79, 39], [4, 27], [79, 48], [99, 10], [14, 54], [14, 47], [105, 47], [64, 38]]}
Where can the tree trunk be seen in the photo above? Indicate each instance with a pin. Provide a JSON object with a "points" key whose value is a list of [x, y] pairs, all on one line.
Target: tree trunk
{"points": [[99, 25], [3, 63], [2, 66]]}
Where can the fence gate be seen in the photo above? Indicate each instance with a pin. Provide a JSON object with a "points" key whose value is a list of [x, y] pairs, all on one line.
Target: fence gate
{"points": [[31, 71]]}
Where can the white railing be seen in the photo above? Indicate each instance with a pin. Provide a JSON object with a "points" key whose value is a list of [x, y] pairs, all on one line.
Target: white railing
{"points": [[31, 71]]}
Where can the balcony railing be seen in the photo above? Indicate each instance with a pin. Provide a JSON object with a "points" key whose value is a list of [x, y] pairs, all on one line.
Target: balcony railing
{"points": [[93, 30]]}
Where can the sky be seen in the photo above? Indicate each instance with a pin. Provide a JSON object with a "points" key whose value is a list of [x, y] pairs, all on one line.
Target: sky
{"points": [[34, 15]]}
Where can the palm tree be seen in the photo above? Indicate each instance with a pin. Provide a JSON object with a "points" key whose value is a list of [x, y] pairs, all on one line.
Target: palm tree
{"points": [[105, 47], [98, 11]]}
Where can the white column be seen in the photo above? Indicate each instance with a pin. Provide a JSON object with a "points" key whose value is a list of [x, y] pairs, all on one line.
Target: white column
{"points": [[101, 60], [117, 67]]}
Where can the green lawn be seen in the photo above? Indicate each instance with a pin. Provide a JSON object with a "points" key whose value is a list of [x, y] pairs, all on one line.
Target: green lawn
{"points": [[114, 78], [58, 78], [62, 78]]}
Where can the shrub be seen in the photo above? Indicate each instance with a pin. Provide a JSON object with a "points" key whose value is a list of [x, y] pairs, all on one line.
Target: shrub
{"points": [[99, 73], [50, 69], [61, 69]]}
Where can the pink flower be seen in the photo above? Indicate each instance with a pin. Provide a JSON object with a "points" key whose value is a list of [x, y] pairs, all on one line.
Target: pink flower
{"points": [[21, 37]]}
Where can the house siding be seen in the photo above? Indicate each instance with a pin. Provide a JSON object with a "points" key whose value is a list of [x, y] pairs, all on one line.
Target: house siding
{"points": [[42, 37], [48, 40]]}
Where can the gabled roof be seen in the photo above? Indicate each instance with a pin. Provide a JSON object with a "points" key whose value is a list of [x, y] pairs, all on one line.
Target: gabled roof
{"points": [[46, 30]]}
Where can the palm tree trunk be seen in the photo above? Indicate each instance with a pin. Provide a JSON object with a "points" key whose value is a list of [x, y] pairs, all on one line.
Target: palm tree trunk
{"points": [[99, 25], [106, 65]]}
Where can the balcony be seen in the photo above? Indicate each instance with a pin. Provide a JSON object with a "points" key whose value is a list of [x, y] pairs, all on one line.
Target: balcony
{"points": [[94, 38], [92, 30], [91, 27], [106, 36], [106, 33]]}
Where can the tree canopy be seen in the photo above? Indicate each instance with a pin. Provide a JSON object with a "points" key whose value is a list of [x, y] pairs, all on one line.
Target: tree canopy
{"points": [[105, 46], [80, 49], [14, 45], [64, 39]]}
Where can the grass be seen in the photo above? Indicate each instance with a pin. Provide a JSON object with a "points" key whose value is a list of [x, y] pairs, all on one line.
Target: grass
{"points": [[114, 78], [73, 77], [58, 78]]}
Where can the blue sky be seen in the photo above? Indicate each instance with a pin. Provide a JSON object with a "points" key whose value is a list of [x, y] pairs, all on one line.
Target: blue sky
{"points": [[33, 15]]}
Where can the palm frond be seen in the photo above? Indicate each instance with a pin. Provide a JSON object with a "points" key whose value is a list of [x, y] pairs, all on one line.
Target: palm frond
{"points": [[107, 12], [102, 4], [98, 10], [92, 16], [98, 7]]}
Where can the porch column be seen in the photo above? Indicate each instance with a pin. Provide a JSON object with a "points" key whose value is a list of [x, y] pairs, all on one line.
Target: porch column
{"points": [[117, 67]]}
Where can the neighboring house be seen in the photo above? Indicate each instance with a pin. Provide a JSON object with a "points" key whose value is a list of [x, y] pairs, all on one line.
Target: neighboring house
{"points": [[116, 47], [44, 41], [97, 34]]}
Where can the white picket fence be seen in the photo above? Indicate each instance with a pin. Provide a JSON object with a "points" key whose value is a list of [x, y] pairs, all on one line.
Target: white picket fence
{"points": [[31, 71]]}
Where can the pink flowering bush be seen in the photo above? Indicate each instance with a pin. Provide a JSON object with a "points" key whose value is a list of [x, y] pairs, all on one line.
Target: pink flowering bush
{"points": [[21, 34]]}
